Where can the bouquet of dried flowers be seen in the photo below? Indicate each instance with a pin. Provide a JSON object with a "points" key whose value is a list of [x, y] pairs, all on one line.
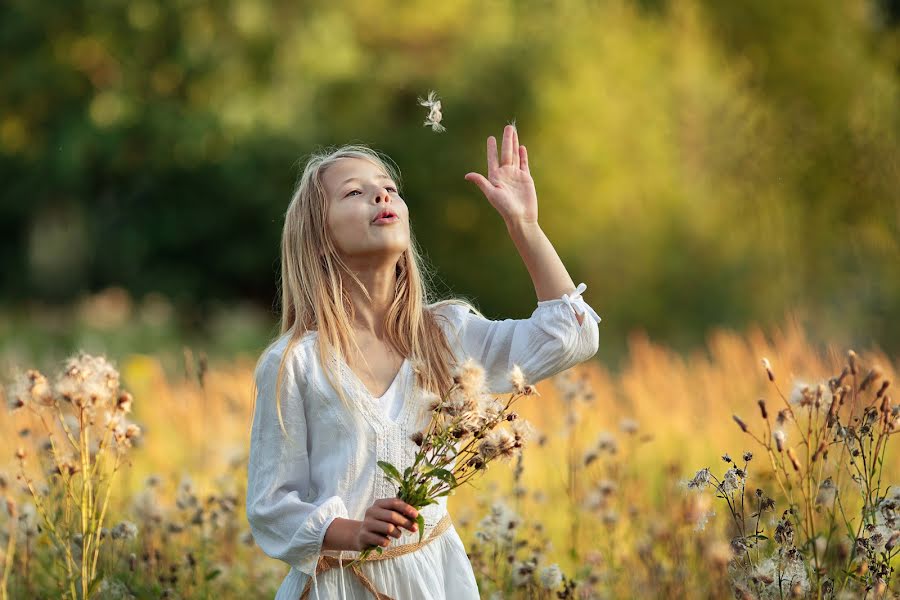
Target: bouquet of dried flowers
{"points": [[83, 412], [464, 434]]}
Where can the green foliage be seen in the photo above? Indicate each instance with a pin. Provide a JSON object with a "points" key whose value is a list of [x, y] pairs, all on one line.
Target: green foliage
{"points": [[698, 163]]}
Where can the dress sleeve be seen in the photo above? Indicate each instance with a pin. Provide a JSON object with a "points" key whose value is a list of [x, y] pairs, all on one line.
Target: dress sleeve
{"points": [[284, 522], [550, 341]]}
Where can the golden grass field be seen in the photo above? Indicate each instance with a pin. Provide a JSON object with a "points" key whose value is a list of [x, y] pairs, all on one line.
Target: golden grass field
{"points": [[599, 491]]}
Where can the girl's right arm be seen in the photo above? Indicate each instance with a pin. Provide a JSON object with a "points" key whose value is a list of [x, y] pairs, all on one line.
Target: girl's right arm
{"points": [[286, 521]]}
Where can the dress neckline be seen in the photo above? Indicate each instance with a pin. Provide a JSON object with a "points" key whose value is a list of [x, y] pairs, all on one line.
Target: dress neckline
{"points": [[359, 382], [368, 401]]}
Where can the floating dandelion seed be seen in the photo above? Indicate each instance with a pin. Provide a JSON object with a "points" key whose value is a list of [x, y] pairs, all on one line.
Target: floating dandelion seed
{"points": [[434, 115]]}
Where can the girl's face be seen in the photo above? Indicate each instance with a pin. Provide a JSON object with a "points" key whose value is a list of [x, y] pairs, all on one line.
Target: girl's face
{"points": [[358, 192]]}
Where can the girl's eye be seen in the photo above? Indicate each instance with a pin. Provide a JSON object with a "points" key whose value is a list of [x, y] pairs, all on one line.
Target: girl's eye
{"points": [[390, 187]]}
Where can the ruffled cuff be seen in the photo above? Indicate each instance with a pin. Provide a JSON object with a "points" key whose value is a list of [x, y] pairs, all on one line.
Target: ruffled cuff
{"points": [[314, 528], [575, 301]]}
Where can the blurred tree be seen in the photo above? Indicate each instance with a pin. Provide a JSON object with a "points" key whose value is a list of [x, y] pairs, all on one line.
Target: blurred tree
{"points": [[699, 163]]}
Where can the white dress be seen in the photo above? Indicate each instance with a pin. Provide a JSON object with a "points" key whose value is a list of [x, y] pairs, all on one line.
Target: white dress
{"points": [[327, 469]]}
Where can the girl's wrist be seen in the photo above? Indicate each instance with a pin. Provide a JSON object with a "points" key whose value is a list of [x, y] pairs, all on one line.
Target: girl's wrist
{"points": [[519, 226], [342, 534]]}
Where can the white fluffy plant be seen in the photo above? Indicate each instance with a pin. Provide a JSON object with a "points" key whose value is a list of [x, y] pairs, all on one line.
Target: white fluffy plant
{"points": [[467, 431], [83, 413]]}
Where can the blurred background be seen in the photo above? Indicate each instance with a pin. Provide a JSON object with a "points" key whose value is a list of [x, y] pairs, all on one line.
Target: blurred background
{"points": [[699, 164], [724, 176]]}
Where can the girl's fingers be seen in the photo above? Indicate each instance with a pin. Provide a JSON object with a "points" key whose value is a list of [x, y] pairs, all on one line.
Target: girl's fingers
{"points": [[397, 504], [392, 516], [515, 148], [373, 539], [385, 528], [524, 158], [483, 184], [506, 152], [491, 154]]}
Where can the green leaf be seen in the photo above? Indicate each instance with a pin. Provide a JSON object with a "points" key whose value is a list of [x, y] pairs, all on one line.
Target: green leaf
{"points": [[379, 550], [213, 574], [421, 521], [444, 475], [390, 470]]}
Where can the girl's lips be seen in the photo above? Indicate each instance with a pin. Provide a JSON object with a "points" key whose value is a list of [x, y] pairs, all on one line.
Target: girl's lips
{"points": [[386, 220]]}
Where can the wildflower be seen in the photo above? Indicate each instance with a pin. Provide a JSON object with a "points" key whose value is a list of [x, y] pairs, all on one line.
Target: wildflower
{"points": [[434, 115], [606, 441], [551, 577], [418, 437], [731, 480], [740, 423], [701, 479], [500, 441], [748, 456], [125, 530], [784, 531], [32, 388], [779, 436], [793, 456], [123, 402], [827, 493], [522, 430], [522, 573], [800, 394], [88, 382], [768, 367], [517, 379], [629, 426]]}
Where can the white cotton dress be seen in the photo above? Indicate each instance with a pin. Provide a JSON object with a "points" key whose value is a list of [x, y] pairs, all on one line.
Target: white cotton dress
{"points": [[326, 467]]}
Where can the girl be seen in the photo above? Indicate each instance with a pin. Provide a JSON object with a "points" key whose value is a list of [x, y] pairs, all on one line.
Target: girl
{"points": [[361, 353]]}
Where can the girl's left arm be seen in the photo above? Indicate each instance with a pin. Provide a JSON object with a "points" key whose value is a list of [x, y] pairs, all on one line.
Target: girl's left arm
{"points": [[510, 189], [562, 331]]}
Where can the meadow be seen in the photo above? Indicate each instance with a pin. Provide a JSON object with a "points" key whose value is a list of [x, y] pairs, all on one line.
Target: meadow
{"points": [[610, 498]]}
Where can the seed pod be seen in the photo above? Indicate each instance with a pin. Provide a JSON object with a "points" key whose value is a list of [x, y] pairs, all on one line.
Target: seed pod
{"points": [[794, 461], [768, 367]]}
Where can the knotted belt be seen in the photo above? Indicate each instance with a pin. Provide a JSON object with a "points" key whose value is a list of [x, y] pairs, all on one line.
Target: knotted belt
{"points": [[330, 562]]}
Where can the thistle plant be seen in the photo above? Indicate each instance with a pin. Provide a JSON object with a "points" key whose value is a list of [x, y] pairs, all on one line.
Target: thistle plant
{"points": [[825, 448], [464, 434], [84, 415]]}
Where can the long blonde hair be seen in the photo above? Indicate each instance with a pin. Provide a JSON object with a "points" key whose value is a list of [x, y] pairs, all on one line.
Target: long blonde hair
{"points": [[314, 295]]}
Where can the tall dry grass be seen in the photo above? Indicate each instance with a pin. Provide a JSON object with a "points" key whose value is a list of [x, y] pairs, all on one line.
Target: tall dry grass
{"points": [[597, 506]]}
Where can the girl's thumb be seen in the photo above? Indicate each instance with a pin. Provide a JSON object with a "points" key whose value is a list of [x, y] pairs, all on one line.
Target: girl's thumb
{"points": [[478, 180]]}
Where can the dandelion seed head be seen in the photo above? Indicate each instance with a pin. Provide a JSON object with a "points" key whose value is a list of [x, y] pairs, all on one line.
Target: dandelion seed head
{"points": [[522, 573], [629, 426], [517, 379], [551, 577], [701, 479], [126, 530]]}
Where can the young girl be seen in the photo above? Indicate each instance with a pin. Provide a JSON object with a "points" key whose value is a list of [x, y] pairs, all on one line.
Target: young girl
{"points": [[361, 353]]}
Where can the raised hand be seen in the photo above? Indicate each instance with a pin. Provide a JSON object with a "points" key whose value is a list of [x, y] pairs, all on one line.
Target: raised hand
{"points": [[508, 186]]}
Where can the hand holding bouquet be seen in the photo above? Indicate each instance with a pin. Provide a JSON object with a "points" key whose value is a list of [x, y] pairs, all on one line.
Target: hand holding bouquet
{"points": [[465, 433]]}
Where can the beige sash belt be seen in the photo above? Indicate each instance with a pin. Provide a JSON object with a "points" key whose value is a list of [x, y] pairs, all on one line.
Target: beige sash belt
{"points": [[330, 562]]}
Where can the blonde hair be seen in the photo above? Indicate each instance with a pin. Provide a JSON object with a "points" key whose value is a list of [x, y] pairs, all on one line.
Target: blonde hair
{"points": [[314, 292]]}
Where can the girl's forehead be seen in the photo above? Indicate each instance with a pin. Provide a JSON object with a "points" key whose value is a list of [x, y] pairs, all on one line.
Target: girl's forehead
{"points": [[346, 168]]}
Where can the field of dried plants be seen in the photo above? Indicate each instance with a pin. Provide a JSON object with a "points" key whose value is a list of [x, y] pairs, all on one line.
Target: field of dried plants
{"points": [[761, 467]]}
